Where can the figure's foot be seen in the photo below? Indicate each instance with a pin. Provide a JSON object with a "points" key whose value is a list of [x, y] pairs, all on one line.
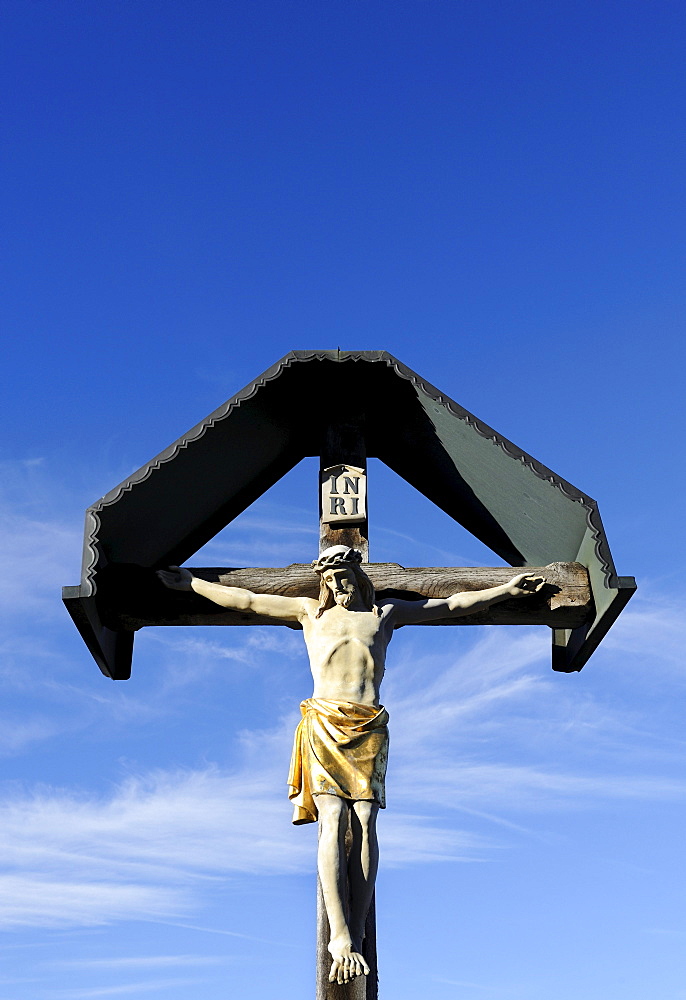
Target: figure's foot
{"points": [[348, 962]]}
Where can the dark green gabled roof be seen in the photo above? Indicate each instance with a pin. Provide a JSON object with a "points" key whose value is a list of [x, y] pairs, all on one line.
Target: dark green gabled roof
{"points": [[520, 509]]}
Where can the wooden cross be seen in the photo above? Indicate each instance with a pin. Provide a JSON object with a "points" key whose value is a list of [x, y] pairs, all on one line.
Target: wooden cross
{"points": [[176, 502], [565, 602]]}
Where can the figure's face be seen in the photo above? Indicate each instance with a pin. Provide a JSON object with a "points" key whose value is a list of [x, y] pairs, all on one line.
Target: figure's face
{"points": [[341, 583]]}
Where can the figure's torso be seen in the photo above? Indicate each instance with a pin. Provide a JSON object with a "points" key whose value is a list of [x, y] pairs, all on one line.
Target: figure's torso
{"points": [[347, 651]]}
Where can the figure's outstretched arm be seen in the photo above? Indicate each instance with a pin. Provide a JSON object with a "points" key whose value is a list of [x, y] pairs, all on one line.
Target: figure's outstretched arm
{"points": [[466, 603], [236, 598]]}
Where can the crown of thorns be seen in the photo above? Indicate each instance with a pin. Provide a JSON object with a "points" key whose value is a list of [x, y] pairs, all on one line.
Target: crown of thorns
{"points": [[335, 557]]}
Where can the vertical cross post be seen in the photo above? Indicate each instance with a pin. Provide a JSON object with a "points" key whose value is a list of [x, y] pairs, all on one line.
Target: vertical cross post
{"points": [[344, 445]]}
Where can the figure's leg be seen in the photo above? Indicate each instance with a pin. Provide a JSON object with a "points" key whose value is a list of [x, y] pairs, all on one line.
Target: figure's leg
{"points": [[333, 874], [331, 862], [363, 864]]}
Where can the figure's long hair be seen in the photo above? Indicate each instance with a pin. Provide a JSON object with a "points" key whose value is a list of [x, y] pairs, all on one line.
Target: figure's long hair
{"points": [[364, 585]]}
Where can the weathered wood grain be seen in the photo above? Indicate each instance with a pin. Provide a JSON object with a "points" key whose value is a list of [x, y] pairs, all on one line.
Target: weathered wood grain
{"points": [[133, 597]]}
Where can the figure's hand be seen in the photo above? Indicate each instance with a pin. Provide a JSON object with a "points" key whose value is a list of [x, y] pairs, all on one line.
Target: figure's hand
{"points": [[524, 585], [175, 578]]}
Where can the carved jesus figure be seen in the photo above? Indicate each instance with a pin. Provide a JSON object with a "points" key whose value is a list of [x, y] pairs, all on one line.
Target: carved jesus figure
{"points": [[340, 750]]}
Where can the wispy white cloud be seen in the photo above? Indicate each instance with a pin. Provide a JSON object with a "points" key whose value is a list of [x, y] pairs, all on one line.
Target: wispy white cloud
{"points": [[124, 989], [222, 932], [266, 534], [444, 557], [161, 840], [522, 787], [241, 646], [163, 825], [141, 962], [499, 693], [185, 661], [42, 555], [17, 735], [273, 522], [408, 838], [33, 900], [254, 552], [482, 990], [158, 843], [652, 632], [460, 982], [40, 547]]}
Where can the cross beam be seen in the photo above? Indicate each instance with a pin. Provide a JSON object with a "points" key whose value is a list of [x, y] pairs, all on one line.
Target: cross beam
{"points": [[131, 597]]}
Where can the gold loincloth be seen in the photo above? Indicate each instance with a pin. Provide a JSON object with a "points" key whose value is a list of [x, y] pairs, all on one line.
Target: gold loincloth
{"points": [[340, 748]]}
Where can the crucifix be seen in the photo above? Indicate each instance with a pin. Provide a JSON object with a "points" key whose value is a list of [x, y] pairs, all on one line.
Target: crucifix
{"points": [[348, 610]]}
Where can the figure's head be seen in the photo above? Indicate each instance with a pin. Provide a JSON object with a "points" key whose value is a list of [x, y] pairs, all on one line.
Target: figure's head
{"points": [[342, 579]]}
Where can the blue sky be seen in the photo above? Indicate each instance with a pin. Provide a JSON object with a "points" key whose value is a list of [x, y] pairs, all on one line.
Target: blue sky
{"points": [[494, 193]]}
